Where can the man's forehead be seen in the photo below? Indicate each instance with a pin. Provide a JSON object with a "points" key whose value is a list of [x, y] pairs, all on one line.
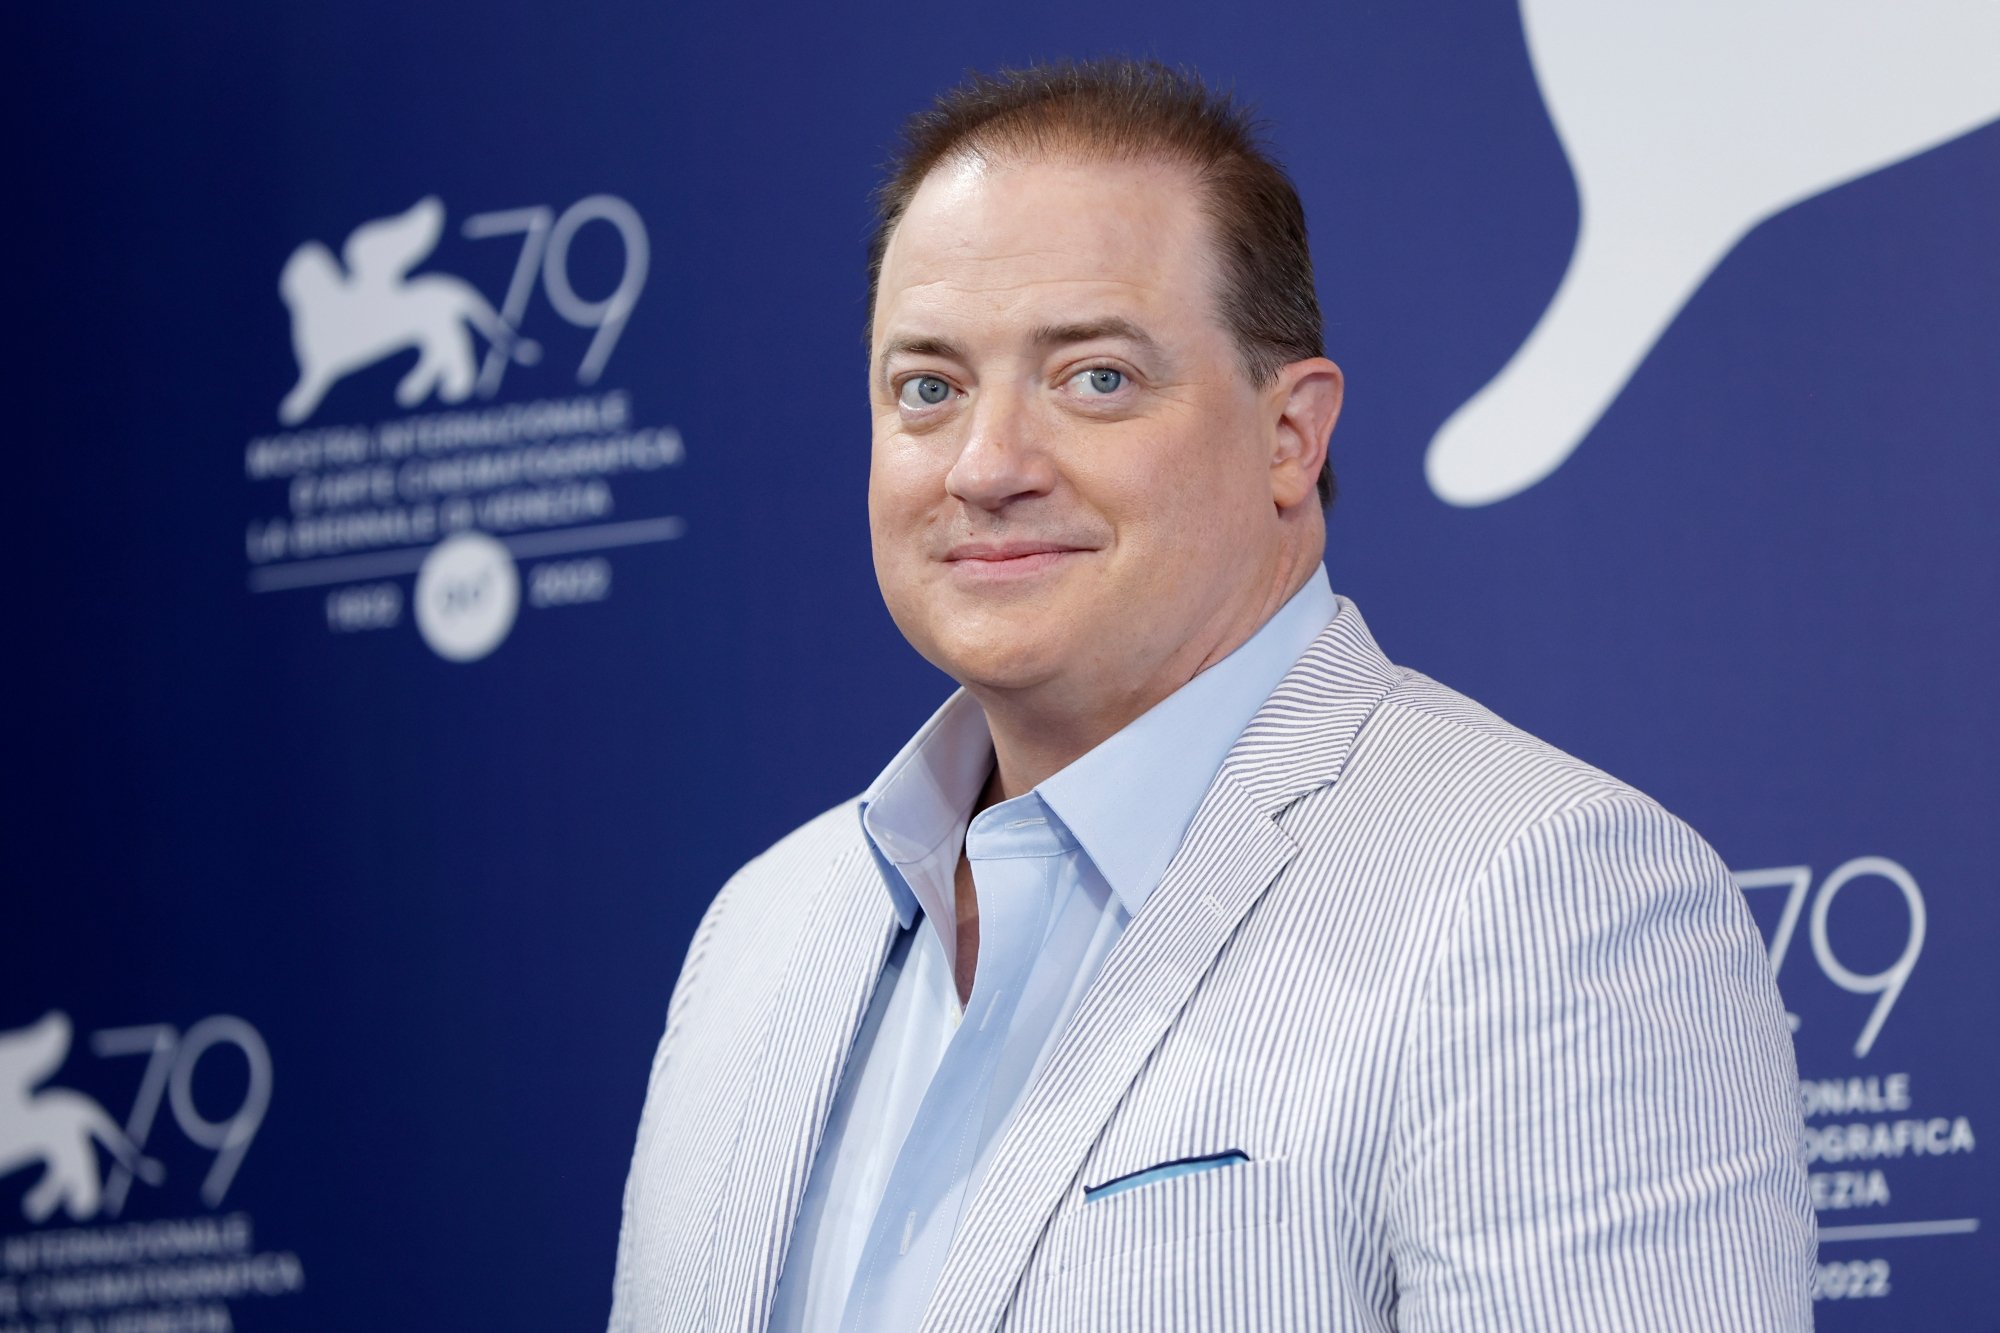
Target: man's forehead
{"points": [[973, 168], [1002, 208], [1044, 242]]}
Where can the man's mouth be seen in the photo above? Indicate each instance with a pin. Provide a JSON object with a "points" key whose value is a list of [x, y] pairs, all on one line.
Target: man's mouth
{"points": [[1009, 559]]}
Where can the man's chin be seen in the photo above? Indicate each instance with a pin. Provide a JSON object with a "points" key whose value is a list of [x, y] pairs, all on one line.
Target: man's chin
{"points": [[998, 668], [1001, 678]]}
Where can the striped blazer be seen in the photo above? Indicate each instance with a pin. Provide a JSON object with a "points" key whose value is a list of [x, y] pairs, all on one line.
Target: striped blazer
{"points": [[1475, 1036]]}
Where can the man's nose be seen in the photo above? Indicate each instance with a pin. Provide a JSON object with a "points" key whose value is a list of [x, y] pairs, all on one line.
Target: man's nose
{"points": [[1002, 458]]}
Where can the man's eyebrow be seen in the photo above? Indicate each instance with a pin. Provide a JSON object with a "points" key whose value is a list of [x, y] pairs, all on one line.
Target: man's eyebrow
{"points": [[919, 345], [922, 345], [1091, 330], [1048, 335]]}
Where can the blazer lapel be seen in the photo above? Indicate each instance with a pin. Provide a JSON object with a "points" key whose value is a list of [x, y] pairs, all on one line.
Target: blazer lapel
{"points": [[807, 1033], [1298, 742]]}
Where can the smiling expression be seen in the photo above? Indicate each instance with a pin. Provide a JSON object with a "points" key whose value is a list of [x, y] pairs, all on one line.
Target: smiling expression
{"points": [[1071, 489]]}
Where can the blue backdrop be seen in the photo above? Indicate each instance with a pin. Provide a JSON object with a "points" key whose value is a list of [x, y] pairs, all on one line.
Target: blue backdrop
{"points": [[350, 854]]}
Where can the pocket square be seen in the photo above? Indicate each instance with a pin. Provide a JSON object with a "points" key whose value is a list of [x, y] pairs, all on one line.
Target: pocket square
{"points": [[1164, 1171]]}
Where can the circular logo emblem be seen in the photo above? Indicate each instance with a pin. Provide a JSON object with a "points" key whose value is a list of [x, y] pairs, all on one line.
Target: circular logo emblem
{"points": [[467, 594]]}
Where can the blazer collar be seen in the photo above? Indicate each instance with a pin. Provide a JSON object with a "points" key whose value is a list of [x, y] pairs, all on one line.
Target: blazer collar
{"points": [[1298, 742]]}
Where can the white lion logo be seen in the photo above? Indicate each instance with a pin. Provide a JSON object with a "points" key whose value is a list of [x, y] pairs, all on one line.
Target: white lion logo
{"points": [[56, 1128], [342, 322]]}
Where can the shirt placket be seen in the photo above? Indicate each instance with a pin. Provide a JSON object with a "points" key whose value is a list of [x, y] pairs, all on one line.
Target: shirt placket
{"points": [[1016, 852]]}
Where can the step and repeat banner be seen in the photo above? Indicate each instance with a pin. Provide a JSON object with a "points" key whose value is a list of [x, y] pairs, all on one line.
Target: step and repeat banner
{"points": [[442, 560]]}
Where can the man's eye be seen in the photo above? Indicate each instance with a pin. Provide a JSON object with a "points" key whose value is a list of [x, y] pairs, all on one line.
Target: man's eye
{"points": [[925, 391], [1102, 380]]}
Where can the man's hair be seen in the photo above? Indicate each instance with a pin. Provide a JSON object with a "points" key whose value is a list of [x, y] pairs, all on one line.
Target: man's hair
{"points": [[1136, 110]]}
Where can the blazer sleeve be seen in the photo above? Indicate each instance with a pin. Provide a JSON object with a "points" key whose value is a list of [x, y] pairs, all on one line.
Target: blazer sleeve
{"points": [[1597, 1123]]}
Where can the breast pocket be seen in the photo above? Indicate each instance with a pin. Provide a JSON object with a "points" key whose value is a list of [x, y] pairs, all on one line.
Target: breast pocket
{"points": [[1165, 1206], [1213, 1248]]}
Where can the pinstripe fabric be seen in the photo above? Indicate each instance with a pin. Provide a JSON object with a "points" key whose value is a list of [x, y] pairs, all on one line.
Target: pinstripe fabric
{"points": [[1494, 1031]]}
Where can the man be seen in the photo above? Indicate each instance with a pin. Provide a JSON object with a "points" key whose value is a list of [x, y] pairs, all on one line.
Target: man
{"points": [[1193, 967]]}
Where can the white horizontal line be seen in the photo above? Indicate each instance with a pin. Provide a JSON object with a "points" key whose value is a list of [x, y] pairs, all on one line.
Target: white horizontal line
{"points": [[406, 559], [596, 537], [1954, 1226], [337, 569]]}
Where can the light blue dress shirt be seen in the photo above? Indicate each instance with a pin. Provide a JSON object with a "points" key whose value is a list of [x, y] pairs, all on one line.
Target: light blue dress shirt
{"points": [[1059, 872]]}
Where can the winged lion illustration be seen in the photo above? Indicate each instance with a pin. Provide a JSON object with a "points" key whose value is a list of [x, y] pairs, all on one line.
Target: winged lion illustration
{"points": [[344, 320], [56, 1128]]}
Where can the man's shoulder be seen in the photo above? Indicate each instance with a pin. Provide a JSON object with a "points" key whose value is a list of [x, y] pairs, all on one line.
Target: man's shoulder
{"points": [[774, 877], [1438, 747], [829, 835], [1472, 759], [1477, 727], [757, 909]]}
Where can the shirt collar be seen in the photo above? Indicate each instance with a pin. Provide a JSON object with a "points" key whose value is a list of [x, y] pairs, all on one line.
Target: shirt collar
{"points": [[921, 803], [1128, 802]]}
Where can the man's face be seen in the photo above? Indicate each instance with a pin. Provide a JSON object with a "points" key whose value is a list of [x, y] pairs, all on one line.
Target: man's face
{"points": [[1071, 483]]}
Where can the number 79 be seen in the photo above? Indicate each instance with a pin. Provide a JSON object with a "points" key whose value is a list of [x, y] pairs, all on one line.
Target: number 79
{"points": [[171, 1060], [1888, 983]]}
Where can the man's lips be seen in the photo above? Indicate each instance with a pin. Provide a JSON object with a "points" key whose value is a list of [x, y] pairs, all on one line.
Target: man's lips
{"points": [[999, 552], [987, 561]]}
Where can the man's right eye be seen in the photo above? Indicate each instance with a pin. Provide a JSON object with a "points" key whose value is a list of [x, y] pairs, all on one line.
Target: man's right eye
{"points": [[924, 391]]}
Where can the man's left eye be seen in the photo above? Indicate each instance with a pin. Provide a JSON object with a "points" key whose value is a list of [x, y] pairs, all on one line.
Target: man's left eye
{"points": [[1102, 380]]}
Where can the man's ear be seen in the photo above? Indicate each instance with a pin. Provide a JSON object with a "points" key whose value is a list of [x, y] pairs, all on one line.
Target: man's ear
{"points": [[1305, 399]]}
